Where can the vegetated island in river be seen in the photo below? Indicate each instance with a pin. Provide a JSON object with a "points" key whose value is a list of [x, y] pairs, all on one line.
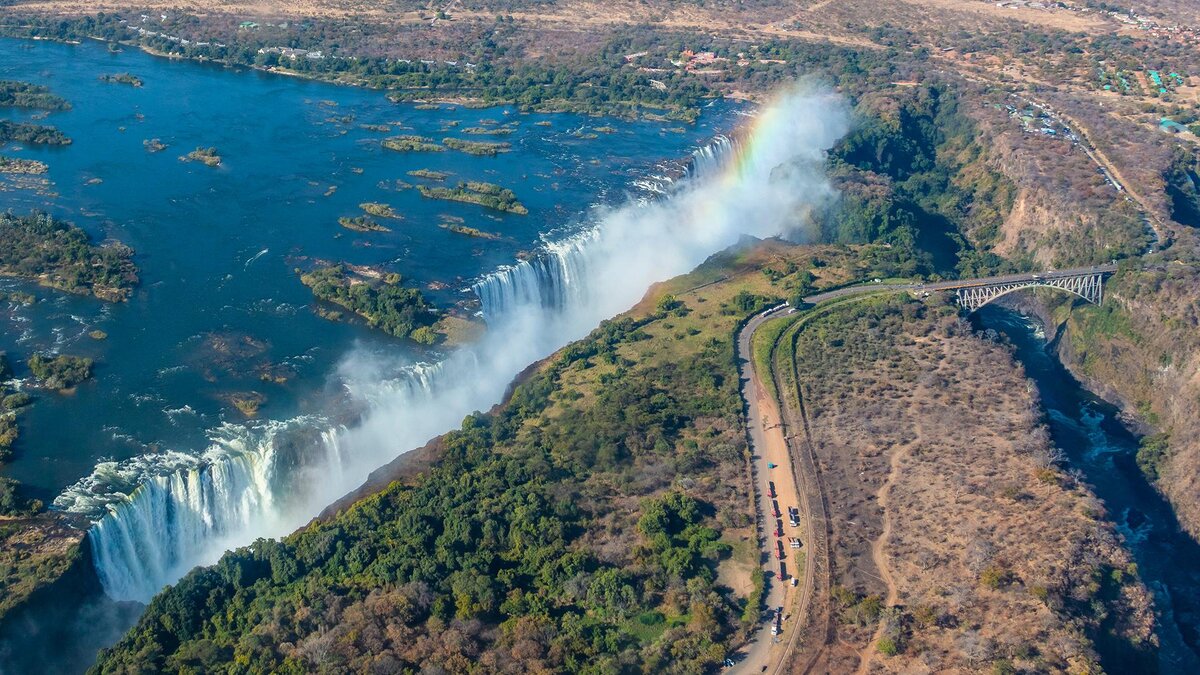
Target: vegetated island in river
{"points": [[62, 372], [487, 195], [154, 145], [31, 134], [15, 94], [483, 148], [57, 254], [429, 174], [470, 231], [361, 224], [378, 298], [122, 78], [22, 166], [411, 144], [207, 156], [380, 210]]}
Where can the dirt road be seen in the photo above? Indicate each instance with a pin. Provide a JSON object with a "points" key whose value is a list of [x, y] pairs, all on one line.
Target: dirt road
{"points": [[768, 448]]}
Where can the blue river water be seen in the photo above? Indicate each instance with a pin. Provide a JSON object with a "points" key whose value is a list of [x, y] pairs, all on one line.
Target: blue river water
{"points": [[220, 302]]}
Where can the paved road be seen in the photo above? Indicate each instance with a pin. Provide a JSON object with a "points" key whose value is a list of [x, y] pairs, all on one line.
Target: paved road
{"points": [[767, 653], [960, 283]]}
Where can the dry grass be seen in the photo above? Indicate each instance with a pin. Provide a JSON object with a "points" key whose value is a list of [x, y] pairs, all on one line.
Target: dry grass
{"points": [[935, 434]]}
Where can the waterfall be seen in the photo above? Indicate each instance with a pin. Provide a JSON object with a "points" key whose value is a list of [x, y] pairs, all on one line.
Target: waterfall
{"points": [[554, 278], [711, 159], [159, 515]]}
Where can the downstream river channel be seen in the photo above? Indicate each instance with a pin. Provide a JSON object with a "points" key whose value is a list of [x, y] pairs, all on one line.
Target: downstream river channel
{"points": [[1096, 443]]}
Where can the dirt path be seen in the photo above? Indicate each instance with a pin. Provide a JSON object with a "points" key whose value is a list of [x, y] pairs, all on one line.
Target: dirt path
{"points": [[879, 553]]}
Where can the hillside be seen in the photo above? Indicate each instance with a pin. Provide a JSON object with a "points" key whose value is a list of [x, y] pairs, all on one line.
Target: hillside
{"points": [[1142, 350], [936, 466]]}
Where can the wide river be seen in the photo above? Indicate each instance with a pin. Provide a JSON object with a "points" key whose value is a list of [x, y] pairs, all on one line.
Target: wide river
{"points": [[220, 301]]}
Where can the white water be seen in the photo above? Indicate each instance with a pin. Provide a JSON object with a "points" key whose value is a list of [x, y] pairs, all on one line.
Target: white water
{"points": [[267, 480]]}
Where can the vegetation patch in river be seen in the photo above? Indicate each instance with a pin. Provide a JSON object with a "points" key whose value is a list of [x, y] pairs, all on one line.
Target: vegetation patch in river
{"points": [[488, 195], [122, 78], [154, 145], [31, 134], [361, 224], [206, 156], [481, 148], [62, 372], [429, 174], [411, 144], [485, 131], [470, 231], [381, 300], [59, 255], [379, 210], [25, 95]]}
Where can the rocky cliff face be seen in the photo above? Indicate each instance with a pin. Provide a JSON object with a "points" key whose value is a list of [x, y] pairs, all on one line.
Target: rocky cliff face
{"points": [[1142, 351]]}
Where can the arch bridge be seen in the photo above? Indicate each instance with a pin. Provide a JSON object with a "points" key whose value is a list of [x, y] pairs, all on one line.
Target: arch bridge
{"points": [[1086, 282]]}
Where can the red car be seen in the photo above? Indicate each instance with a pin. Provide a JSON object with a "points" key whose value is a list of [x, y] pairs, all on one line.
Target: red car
{"points": [[771, 489], [779, 549], [778, 528], [775, 506]]}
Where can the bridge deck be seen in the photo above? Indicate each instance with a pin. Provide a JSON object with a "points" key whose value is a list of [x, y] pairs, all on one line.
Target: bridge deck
{"points": [[982, 282]]}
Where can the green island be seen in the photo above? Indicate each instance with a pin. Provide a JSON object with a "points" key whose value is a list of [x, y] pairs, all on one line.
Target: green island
{"points": [[206, 156], [19, 297], [411, 144], [60, 255], [384, 303], [361, 224], [379, 210], [488, 131], [22, 166], [62, 372], [487, 195], [429, 174], [470, 231], [122, 78], [32, 134], [382, 128], [481, 148], [25, 95], [154, 145]]}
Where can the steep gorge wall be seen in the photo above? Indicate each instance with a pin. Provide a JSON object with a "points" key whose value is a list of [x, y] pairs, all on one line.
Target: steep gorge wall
{"points": [[1141, 350]]}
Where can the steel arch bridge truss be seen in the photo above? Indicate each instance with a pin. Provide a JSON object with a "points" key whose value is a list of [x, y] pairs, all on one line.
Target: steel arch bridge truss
{"points": [[1090, 287]]}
